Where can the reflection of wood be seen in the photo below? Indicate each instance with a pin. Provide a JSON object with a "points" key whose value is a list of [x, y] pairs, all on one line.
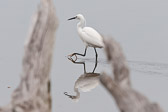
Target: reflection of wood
{"points": [[127, 99], [33, 92]]}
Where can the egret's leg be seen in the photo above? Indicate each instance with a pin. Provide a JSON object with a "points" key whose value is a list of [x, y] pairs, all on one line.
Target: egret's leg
{"points": [[96, 60], [79, 53], [79, 63], [95, 66], [96, 52]]}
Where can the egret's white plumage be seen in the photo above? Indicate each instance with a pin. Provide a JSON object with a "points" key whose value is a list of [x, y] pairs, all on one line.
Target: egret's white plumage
{"points": [[88, 35], [87, 82], [91, 37]]}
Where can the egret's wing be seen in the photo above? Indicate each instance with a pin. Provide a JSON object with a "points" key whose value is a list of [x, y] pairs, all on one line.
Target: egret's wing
{"points": [[87, 84], [92, 37]]}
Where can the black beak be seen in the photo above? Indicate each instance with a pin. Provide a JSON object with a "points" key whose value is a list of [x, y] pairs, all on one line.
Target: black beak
{"points": [[72, 18]]}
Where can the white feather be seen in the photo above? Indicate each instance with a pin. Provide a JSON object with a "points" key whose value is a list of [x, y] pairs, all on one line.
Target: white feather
{"points": [[92, 37]]}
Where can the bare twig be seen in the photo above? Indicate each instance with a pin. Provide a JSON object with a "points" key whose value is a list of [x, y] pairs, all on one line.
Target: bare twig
{"points": [[33, 93], [127, 99]]}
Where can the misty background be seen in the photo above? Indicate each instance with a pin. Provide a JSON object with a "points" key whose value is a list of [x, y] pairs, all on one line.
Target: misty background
{"points": [[140, 26]]}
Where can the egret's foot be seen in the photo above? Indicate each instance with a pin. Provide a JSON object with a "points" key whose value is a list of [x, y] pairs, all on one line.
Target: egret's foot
{"points": [[71, 55], [72, 59]]}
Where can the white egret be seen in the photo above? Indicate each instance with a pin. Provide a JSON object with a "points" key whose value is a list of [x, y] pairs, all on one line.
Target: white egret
{"points": [[88, 35]]}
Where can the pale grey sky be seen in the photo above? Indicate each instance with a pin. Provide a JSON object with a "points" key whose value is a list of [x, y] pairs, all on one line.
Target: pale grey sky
{"points": [[140, 26]]}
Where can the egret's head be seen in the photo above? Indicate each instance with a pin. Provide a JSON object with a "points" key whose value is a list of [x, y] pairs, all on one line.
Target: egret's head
{"points": [[78, 16], [74, 98]]}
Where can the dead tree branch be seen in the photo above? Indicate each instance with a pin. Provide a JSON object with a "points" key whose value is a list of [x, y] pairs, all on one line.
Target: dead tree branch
{"points": [[127, 99], [33, 92]]}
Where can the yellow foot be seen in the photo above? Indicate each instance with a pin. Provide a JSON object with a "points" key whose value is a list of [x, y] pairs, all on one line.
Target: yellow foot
{"points": [[70, 57]]}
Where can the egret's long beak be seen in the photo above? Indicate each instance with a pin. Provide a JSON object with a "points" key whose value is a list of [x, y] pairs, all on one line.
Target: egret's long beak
{"points": [[72, 18]]}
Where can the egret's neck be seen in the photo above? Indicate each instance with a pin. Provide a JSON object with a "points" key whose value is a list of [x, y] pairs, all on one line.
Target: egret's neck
{"points": [[77, 93], [82, 23]]}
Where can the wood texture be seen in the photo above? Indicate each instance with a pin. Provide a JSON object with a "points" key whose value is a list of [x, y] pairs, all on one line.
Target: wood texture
{"points": [[119, 86], [33, 92]]}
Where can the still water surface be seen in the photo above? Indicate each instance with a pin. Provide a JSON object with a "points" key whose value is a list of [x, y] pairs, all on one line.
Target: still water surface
{"points": [[140, 26]]}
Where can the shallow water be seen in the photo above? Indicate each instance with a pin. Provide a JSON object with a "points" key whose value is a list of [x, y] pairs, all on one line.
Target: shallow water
{"points": [[146, 77]]}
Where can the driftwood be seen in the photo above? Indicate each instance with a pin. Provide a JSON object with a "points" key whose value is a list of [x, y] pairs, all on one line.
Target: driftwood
{"points": [[33, 92], [119, 86]]}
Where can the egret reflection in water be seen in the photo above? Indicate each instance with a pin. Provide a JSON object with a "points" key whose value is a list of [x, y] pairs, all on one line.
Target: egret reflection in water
{"points": [[85, 83]]}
